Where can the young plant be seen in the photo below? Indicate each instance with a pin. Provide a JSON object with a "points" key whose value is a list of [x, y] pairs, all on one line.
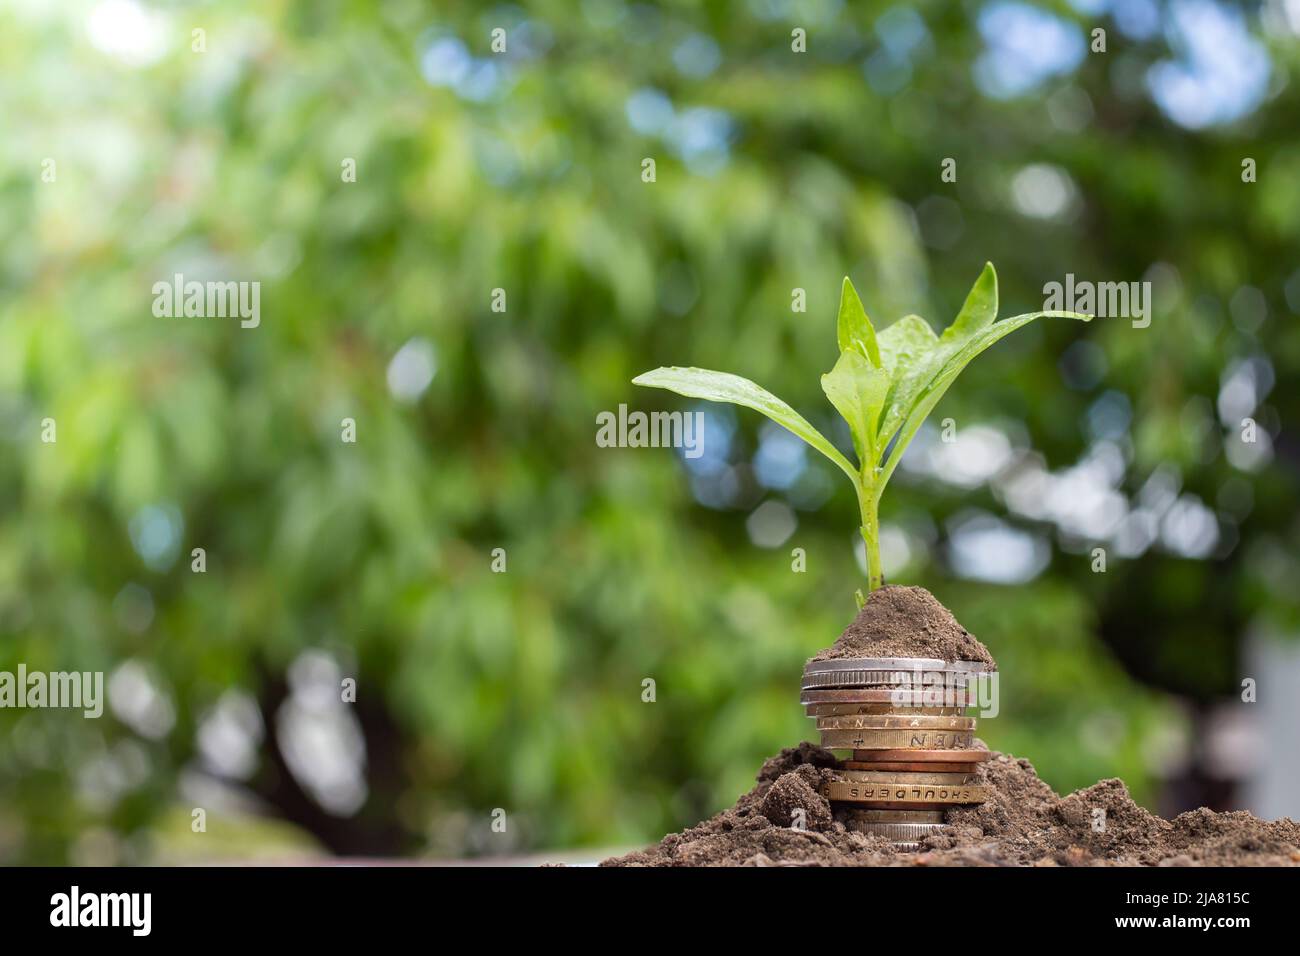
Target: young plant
{"points": [[883, 385]]}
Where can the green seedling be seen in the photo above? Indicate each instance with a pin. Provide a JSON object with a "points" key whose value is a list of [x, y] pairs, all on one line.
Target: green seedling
{"points": [[884, 385]]}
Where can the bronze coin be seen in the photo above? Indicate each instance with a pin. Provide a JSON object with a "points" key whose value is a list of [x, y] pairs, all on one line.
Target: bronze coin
{"points": [[907, 767], [923, 741], [894, 722], [906, 777]]}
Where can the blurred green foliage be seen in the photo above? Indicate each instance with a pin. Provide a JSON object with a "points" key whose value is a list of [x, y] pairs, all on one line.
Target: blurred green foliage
{"points": [[522, 691]]}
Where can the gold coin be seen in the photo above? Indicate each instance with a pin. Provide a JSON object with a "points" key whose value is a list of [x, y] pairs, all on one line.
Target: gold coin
{"points": [[956, 759], [894, 722], [897, 739], [898, 793], [903, 777]]}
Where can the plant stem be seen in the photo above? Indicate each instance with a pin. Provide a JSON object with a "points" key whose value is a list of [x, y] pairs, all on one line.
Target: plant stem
{"points": [[871, 535]]}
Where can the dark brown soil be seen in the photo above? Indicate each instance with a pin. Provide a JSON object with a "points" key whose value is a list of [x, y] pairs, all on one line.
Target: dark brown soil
{"points": [[907, 622], [1024, 824]]}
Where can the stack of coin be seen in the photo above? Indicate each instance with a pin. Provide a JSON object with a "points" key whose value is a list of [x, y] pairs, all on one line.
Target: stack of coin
{"points": [[913, 747]]}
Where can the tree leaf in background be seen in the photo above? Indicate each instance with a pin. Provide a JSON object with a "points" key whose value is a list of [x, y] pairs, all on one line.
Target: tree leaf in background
{"points": [[725, 387]]}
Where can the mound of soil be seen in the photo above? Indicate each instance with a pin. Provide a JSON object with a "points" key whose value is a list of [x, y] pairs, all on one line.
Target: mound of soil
{"points": [[1025, 823], [907, 622]]}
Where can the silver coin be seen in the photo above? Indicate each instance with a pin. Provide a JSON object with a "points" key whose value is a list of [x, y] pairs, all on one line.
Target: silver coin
{"points": [[862, 678], [903, 831], [873, 664], [972, 667], [911, 697], [903, 836], [893, 664], [902, 671], [858, 817]]}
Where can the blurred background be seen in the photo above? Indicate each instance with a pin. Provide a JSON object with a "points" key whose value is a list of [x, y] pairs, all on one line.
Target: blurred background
{"points": [[479, 692]]}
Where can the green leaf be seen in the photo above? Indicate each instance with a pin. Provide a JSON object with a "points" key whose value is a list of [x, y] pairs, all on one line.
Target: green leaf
{"points": [[857, 390], [853, 329], [904, 343], [980, 308], [966, 350], [977, 313], [725, 387], [907, 343], [908, 388]]}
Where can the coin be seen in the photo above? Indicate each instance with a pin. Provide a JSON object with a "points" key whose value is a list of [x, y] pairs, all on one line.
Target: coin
{"points": [[932, 695], [909, 696], [856, 696], [890, 766], [903, 833], [908, 793], [952, 779], [866, 671], [971, 667], [860, 678], [967, 756], [895, 740], [867, 815], [873, 664], [895, 722], [898, 696], [904, 836], [904, 794], [844, 710]]}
